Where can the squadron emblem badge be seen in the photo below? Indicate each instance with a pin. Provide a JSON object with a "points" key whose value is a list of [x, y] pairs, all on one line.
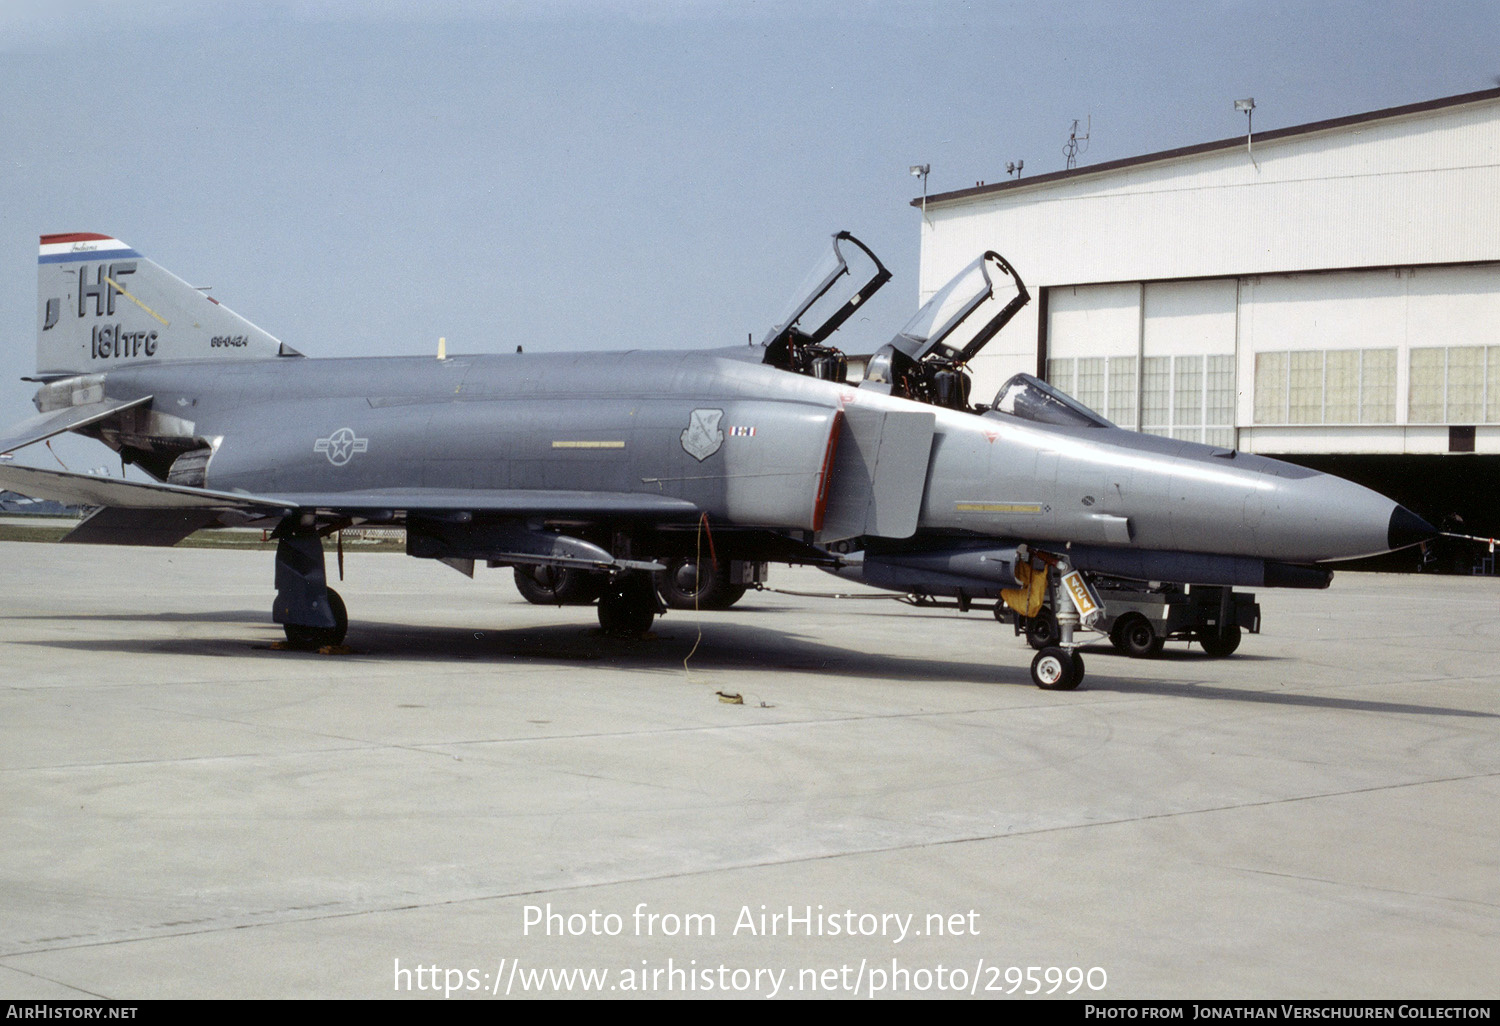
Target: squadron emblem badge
{"points": [[703, 435]]}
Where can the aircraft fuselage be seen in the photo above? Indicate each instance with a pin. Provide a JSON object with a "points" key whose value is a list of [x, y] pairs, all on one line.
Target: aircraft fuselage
{"points": [[750, 445]]}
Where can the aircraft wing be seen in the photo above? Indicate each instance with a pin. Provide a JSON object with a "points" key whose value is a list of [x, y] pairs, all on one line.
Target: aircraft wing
{"points": [[89, 490], [45, 425], [152, 513], [384, 503]]}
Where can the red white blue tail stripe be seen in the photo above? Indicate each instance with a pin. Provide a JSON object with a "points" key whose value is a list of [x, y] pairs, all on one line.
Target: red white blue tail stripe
{"points": [[57, 249]]}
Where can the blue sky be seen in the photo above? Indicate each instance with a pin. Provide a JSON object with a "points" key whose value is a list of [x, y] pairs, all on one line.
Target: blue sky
{"points": [[365, 177]]}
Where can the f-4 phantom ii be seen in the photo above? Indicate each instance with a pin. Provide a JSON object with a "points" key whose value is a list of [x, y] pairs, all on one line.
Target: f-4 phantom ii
{"points": [[613, 463]]}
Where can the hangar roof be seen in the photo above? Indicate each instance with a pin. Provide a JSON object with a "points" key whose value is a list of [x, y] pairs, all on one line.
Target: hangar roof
{"points": [[1211, 147]]}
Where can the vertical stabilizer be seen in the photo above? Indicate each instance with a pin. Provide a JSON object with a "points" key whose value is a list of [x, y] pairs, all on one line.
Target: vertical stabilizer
{"points": [[101, 305]]}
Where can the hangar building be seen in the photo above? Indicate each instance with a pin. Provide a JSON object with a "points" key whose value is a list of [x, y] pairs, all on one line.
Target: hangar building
{"points": [[1328, 293]]}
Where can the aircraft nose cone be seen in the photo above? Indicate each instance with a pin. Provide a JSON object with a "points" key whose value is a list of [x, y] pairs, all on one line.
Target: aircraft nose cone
{"points": [[1314, 518], [1408, 529]]}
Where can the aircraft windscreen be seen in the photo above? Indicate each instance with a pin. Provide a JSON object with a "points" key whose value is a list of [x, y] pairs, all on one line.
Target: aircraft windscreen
{"points": [[837, 279], [1031, 398]]}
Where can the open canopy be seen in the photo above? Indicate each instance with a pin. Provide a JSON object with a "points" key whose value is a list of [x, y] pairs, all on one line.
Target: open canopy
{"points": [[846, 276], [965, 313]]}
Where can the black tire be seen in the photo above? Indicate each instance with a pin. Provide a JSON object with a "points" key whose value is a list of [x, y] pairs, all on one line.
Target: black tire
{"points": [[1056, 669], [1041, 630], [683, 585], [555, 586], [1220, 643], [628, 605], [299, 636], [1134, 636]]}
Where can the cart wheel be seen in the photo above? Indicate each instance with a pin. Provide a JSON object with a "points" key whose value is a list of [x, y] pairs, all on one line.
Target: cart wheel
{"points": [[1219, 644], [1134, 636], [1041, 630]]}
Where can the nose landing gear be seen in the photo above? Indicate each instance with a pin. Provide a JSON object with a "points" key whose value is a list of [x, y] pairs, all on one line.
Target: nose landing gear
{"points": [[1058, 666], [1056, 669]]}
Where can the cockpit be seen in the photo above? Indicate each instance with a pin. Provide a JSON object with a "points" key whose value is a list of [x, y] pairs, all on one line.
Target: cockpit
{"points": [[927, 359], [842, 281]]}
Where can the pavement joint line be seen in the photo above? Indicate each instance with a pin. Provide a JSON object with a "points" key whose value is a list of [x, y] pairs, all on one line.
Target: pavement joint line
{"points": [[656, 878], [1347, 885], [437, 747], [431, 748], [54, 982]]}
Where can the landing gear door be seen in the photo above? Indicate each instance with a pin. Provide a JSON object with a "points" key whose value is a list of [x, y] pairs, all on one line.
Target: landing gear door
{"points": [[1083, 597]]}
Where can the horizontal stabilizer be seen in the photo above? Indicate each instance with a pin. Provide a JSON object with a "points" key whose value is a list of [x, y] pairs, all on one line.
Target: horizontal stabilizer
{"points": [[163, 527], [45, 425]]}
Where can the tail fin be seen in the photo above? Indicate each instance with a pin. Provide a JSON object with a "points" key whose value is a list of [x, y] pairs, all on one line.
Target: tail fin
{"points": [[101, 305]]}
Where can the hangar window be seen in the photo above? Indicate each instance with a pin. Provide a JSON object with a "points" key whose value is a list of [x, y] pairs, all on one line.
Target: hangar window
{"points": [[1106, 384], [1189, 397], [1270, 388], [1454, 385], [1342, 386]]}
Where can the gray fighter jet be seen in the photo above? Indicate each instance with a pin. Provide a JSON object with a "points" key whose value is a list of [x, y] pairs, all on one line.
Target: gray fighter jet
{"points": [[614, 463]]}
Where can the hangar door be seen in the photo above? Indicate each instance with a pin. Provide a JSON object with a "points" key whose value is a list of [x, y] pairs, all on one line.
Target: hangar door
{"points": [[1158, 357], [1410, 345]]}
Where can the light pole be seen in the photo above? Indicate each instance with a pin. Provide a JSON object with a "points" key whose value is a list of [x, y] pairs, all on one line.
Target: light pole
{"points": [[922, 171], [1248, 106]]}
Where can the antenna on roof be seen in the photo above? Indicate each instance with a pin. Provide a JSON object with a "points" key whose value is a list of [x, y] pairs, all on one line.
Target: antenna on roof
{"points": [[1072, 150]]}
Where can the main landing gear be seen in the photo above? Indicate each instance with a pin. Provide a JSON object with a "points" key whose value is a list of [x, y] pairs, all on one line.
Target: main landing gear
{"points": [[311, 613], [301, 636], [693, 584], [629, 603]]}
